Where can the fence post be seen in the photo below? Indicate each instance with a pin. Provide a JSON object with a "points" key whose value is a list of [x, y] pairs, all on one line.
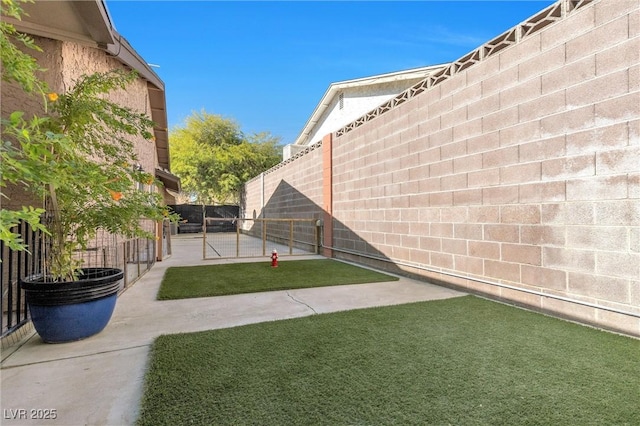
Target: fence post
{"points": [[125, 265], [318, 234], [138, 256], [204, 241], [264, 237], [238, 222], [291, 237]]}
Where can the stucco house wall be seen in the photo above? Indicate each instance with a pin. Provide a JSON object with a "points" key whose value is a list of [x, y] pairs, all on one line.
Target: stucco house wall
{"points": [[78, 38], [78, 60], [514, 173], [65, 62], [14, 99]]}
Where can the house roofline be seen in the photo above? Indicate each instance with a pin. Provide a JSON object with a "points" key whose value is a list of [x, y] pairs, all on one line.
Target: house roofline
{"points": [[89, 22], [334, 88]]}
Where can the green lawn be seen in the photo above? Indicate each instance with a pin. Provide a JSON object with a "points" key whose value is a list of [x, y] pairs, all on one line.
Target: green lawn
{"points": [[235, 278], [461, 361]]}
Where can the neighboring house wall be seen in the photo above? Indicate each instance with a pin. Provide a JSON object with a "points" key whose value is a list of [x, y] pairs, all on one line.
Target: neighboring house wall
{"points": [[514, 173], [356, 101]]}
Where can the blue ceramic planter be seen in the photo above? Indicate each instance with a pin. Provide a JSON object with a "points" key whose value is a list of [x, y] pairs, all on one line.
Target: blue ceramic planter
{"points": [[69, 311], [66, 323]]}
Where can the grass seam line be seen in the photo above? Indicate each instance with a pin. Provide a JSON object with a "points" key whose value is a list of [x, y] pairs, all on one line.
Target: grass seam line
{"points": [[148, 345]]}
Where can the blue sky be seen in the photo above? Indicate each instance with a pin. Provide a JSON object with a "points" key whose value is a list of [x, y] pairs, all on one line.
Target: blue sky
{"points": [[267, 64]]}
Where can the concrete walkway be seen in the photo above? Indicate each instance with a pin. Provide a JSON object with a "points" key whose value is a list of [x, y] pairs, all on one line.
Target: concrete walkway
{"points": [[99, 380]]}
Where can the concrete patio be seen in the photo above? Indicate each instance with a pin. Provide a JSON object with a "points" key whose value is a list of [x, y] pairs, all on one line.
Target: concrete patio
{"points": [[99, 381]]}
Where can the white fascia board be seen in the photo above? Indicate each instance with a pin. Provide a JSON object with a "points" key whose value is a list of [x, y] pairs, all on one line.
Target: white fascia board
{"points": [[334, 88]]}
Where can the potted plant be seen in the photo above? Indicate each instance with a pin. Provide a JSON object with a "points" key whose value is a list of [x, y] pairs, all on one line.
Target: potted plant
{"points": [[80, 159]]}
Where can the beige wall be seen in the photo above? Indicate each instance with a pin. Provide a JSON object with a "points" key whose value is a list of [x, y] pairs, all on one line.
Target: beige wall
{"points": [[78, 60], [291, 190], [519, 167], [14, 99], [64, 63]]}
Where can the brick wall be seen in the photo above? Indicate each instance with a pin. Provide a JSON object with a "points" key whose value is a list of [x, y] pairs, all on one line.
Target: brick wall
{"points": [[291, 190], [515, 172]]}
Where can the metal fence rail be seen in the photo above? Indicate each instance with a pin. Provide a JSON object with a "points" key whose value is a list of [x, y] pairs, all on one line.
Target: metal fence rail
{"points": [[15, 265], [259, 237], [133, 256]]}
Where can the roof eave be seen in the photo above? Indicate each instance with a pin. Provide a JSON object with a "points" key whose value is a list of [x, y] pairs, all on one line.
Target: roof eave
{"points": [[122, 50], [89, 23], [170, 181], [334, 88]]}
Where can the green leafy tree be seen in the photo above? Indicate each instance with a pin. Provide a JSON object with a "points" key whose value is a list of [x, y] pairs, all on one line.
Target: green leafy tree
{"points": [[214, 158], [18, 66], [79, 157], [19, 163]]}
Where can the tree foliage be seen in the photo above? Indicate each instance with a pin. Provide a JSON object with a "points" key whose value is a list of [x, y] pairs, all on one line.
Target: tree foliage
{"points": [[214, 158], [79, 157], [20, 68]]}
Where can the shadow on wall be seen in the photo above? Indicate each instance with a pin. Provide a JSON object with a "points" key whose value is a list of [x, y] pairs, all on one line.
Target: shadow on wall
{"points": [[287, 202]]}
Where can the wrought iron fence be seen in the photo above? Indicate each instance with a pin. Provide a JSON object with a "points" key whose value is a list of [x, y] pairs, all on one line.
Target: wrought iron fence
{"points": [[133, 256], [15, 265]]}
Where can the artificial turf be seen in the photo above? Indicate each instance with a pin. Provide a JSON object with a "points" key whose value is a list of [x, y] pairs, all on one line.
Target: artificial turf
{"points": [[461, 361], [235, 278]]}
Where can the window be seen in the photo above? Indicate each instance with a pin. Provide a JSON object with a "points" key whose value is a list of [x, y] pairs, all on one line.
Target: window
{"points": [[341, 100]]}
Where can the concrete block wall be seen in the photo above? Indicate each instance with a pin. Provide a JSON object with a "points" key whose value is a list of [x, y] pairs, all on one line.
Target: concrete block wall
{"points": [[515, 172], [292, 189], [522, 170]]}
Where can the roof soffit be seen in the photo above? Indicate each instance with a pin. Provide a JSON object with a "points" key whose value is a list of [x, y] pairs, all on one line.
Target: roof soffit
{"points": [[88, 22], [335, 88], [83, 22]]}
